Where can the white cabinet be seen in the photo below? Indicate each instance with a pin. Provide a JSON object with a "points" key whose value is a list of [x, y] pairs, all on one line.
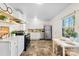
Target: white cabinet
{"points": [[36, 35], [8, 48], [5, 48], [20, 44], [12, 46]]}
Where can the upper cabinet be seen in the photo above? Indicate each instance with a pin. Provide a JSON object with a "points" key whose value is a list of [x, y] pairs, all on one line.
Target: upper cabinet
{"points": [[10, 15]]}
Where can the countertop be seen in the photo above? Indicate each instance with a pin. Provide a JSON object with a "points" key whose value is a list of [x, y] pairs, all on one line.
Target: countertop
{"points": [[9, 39], [66, 43]]}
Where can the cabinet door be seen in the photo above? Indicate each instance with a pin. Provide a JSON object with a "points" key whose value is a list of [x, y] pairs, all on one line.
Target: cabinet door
{"points": [[14, 48], [20, 44], [5, 48]]}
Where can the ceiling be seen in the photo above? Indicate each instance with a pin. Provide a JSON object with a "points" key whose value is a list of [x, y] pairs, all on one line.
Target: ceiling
{"points": [[44, 11]]}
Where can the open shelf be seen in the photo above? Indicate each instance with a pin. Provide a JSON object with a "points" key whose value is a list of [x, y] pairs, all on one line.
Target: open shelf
{"points": [[11, 19]]}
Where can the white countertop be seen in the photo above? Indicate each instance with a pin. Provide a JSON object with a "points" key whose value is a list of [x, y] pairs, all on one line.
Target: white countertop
{"points": [[66, 43], [9, 39]]}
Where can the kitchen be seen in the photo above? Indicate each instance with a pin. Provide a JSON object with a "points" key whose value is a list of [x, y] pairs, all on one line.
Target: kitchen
{"points": [[12, 28], [29, 29], [11, 42]]}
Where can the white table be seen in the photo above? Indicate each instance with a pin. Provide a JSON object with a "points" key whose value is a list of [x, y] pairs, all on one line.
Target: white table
{"points": [[64, 45]]}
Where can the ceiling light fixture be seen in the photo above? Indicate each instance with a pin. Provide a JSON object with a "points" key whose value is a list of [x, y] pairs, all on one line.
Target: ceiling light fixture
{"points": [[35, 18], [39, 3]]}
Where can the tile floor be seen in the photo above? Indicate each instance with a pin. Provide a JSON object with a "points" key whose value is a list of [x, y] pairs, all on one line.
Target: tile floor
{"points": [[39, 48], [43, 48]]}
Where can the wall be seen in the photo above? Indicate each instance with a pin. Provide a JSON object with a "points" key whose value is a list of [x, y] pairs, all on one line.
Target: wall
{"points": [[36, 24], [56, 22]]}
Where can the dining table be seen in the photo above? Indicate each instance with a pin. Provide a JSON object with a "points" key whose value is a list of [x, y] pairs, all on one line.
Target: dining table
{"points": [[63, 43]]}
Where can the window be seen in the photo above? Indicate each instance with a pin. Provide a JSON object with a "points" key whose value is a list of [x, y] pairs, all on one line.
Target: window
{"points": [[68, 25]]}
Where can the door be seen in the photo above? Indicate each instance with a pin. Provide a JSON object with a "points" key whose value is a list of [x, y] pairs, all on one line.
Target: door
{"points": [[48, 32]]}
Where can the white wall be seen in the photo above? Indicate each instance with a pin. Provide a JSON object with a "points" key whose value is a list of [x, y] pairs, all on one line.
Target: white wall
{"points": [[36, 24], [56, 22]]}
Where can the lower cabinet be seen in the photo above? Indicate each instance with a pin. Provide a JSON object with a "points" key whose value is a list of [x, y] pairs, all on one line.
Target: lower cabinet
{"points": [[20, 43], [8, 48], [12, 47], [5, 48]]}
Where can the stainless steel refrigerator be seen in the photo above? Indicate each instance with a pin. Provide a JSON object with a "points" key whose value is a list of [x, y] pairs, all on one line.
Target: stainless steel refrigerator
{"points": [[48, 32]]}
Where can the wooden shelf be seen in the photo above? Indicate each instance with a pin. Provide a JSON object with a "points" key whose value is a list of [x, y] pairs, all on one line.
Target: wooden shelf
{"points": [[12, 18]]}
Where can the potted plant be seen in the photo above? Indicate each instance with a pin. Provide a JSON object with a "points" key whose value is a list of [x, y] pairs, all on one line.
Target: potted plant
{"points": [[71, 34], [68, 32], [13, 33], [74, 34], [2, 17]]}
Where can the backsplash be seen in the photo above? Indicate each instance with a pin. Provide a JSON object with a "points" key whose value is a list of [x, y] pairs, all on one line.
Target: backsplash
{"points": [[35, 30]]}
